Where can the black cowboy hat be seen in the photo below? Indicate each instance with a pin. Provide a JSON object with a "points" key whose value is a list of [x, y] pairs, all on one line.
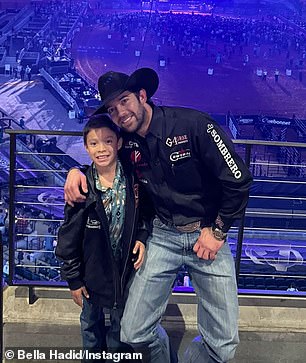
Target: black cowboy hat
{"points": [[112, 84]]}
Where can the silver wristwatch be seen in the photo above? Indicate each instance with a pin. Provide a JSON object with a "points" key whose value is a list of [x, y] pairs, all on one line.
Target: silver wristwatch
{"points": [[218, 233]]}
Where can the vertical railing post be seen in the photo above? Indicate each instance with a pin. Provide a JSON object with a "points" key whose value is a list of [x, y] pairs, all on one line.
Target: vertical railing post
{"points": [[12, 182], [241, 226]]}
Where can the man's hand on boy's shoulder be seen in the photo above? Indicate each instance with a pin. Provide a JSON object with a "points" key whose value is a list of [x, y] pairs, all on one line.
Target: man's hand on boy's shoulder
{"points": [[139, 253], [75, 183], [77, 295]]}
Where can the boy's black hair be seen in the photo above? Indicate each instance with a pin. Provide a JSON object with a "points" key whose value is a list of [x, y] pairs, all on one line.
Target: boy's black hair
{"points": [[98, 121]]}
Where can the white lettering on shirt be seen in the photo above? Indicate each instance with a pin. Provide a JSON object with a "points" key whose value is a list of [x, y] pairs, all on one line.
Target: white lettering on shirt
{"points": [[224, 151]]}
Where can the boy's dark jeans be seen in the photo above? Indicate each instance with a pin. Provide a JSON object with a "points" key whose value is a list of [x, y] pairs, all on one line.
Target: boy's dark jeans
{"points": [[95, 335]]}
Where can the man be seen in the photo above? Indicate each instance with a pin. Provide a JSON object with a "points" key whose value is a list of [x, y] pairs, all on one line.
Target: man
{"points": [[199, 186], [21, 122], [28, 72]]}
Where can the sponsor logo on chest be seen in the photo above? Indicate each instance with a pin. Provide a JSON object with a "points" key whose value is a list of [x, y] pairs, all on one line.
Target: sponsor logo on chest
{"points": [[176, 140], [93, 224], [180, 154], [131, 145], [135, 157]]}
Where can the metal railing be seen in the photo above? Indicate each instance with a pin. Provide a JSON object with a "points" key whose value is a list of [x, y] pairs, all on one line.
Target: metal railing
{"points": [[261, 242]]}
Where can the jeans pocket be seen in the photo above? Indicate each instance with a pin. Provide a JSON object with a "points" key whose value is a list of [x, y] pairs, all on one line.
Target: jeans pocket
{"points": [[158, 223], [225, 249]]}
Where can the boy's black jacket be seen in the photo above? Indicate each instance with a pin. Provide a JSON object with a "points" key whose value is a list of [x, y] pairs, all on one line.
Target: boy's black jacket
{"points": [[84, 246]]}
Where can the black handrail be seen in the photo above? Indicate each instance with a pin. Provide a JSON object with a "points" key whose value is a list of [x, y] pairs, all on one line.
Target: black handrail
{"points": [[235, 141], [12, 180], [45, 132], [242, 221]]}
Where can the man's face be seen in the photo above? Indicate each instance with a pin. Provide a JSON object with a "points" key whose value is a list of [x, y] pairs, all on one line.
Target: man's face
{"points": [[128, 110]]}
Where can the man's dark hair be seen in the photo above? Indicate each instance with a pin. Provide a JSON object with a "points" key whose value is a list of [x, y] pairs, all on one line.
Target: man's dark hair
{"points": [[137, 94], [97, 122]]}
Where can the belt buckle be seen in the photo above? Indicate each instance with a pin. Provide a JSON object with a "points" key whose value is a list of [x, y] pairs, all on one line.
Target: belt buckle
{"points": [[190, 227]]}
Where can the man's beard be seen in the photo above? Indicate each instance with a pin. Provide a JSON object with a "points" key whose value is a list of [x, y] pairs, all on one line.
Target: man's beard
{"points": [[139, 121]]}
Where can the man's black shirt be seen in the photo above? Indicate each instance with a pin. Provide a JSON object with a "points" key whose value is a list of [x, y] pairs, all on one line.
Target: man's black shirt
{"points": [[189, 167]]}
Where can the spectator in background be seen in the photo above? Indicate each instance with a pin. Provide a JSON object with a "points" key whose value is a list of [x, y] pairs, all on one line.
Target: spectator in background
{"points": [[49, 240], [3, 216], [81, 115], [19, 68], [28, 72], [15, 72], [20, 257], [39, 145], [276, 75], [292, 287], [21, 122], [22, 224], [22, 73]]}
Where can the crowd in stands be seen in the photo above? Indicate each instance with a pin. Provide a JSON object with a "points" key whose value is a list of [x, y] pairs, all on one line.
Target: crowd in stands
{"points": [[48, 25], [34, 253], [218, 36], [259, 40]]}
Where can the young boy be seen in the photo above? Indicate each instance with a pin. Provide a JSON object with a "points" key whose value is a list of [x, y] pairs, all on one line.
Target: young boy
{"points": [[96, 243]]}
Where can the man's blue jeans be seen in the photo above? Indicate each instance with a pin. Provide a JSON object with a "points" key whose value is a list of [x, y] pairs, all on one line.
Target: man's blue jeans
{"points": [[95, 335], [215, 285]]}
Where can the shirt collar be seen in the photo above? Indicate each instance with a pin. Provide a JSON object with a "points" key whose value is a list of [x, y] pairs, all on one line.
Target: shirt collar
{"points": [[117, 179], [157, 122]]}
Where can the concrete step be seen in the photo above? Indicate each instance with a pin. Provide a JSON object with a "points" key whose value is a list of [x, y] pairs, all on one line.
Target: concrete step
{"points": [[257, 313], [272, 329], [255, 347]]}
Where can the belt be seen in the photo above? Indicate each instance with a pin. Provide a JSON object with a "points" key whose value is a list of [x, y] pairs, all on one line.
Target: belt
{"points": [[187, 228], [190, 227]]}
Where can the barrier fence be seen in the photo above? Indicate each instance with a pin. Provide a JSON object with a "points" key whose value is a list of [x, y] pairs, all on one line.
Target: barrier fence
{"points": [[268, 244]]}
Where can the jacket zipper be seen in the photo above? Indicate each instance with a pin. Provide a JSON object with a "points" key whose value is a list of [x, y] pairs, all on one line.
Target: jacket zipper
{"points": [[130, 242], [115, 300], [114, 277], [102, 217]]}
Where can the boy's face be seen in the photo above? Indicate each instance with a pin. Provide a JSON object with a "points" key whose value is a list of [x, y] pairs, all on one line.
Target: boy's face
{"points": [[102, 146]]}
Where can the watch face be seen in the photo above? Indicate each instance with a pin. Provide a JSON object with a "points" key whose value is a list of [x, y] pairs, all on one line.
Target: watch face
{"points": [[219, 235]]}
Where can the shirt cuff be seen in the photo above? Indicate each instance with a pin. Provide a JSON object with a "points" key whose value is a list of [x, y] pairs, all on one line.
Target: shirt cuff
{"points": [[75, 284], [223, 223]]}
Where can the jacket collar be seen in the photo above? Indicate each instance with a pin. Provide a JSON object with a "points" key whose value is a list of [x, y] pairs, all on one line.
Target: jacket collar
{"points": [[92, 192]]}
